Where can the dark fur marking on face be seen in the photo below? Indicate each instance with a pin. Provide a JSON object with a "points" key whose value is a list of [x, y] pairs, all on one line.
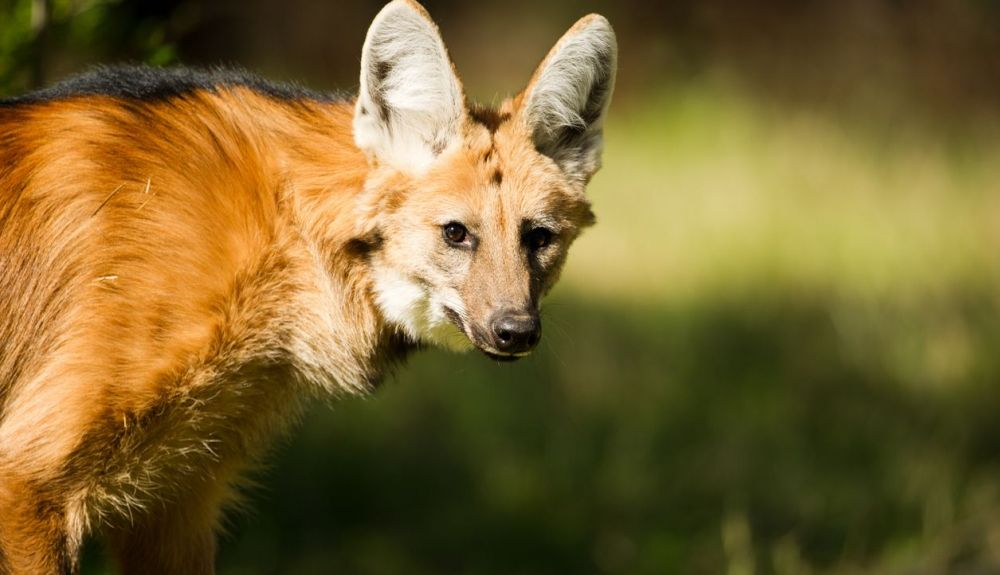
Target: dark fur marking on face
{"points": [[363, 248], [537, 278], [497, 177], [489, 118]]}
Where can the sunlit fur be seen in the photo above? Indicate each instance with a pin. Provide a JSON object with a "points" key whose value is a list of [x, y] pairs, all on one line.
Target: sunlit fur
{"points": [[178, 275]]}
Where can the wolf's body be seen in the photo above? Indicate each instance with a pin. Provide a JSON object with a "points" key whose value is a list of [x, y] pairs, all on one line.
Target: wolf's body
{"points": [[186, 257]]}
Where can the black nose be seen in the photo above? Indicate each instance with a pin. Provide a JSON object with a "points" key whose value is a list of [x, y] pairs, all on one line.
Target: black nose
{"points": [[516, 332]]}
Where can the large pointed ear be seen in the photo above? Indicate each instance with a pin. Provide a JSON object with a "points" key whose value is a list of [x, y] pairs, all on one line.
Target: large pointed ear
{"points": [[410, 103], [566, 100]]}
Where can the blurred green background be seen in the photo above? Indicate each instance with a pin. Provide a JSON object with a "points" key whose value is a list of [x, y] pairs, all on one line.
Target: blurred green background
{"points": [[778, 352]]}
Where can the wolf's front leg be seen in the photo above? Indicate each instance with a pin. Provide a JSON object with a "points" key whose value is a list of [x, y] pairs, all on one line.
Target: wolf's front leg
{"points": [[156, 550], [178, 539]]}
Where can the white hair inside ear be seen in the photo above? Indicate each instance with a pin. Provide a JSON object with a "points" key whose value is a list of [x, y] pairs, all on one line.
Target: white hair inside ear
{"points": [[410, 103], [568, 96]]}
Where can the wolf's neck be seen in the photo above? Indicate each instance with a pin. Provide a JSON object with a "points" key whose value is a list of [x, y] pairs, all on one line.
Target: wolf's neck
{"points": [[338, 338]]}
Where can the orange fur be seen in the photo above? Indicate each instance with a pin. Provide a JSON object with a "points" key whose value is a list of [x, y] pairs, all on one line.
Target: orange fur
{"points": [[141, 271]]}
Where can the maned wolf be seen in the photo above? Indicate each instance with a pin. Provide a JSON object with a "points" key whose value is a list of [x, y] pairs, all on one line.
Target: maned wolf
{"points": [[186, 256]]}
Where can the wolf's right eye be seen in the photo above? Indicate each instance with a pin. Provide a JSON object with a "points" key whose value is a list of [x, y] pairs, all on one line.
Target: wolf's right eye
{"points": [[455, 233], [538, 238]]}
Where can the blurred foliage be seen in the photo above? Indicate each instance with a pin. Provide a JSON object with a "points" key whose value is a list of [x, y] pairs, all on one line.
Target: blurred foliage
{"points": [[41, 40], [776, 353], [16, 36]]}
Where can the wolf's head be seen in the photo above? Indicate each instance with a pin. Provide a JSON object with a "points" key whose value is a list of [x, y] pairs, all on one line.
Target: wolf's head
{"points": [[473, 209]]}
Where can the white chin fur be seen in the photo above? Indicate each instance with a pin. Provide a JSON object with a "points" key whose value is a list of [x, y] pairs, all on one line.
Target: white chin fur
{"points": [[408, 306]]}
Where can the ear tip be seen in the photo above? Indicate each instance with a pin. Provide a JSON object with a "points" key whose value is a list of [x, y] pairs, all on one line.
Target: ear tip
{"points": [[595, 22], [404, 7], [593, 18], [399, 15], [597, 27]]}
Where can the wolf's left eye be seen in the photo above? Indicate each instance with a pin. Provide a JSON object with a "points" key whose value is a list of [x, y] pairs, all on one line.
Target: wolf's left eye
{"points": [[455, 233], [538, 238]]}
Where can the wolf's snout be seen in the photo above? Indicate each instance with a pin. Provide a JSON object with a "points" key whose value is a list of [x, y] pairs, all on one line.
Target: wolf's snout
{"points": [[515, 332]]}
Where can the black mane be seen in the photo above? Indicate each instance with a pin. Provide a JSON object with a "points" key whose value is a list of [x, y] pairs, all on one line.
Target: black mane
{"points": [[146, 83]]}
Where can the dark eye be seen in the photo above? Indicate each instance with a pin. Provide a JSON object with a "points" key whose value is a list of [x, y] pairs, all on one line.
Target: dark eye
{"points": [[538, 238], [455, 233]]}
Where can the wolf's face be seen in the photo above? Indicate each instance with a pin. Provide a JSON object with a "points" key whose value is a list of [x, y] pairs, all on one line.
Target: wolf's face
{"points": [[473, 209]]}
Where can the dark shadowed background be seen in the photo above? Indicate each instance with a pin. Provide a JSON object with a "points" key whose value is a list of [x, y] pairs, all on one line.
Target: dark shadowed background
{"points": [[778, 352]]}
